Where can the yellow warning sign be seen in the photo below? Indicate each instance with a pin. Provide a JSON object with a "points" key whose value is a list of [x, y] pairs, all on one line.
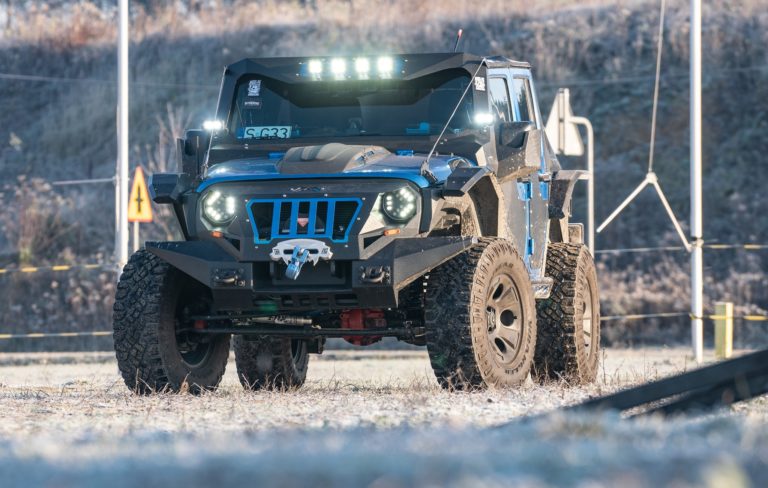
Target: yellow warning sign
{"points": [[139, 206]]}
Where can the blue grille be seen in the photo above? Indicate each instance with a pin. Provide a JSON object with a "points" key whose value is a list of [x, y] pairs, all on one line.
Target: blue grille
{"points": [[291, 218]]}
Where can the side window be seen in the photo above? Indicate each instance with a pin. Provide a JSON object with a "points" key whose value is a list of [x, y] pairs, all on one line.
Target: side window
{"points": [[498, 96], [523, 105]]}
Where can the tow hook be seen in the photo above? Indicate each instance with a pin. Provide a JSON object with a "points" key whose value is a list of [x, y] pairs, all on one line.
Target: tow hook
{"points": [[228, 277], [375, 275], [298, 260]]}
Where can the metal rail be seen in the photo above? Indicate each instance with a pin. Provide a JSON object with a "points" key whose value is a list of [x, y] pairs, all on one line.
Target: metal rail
{"points": [[309, 332], [713, 386]]}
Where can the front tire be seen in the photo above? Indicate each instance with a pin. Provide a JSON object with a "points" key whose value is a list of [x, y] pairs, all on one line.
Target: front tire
{"points": [[270, 363], [154, 352], [481, 318], [569, 320]]}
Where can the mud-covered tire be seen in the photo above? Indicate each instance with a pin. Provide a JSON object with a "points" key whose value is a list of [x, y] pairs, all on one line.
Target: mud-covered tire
{"points": [[411, 301], [476, 304], [568, 344], [269, 363], [151, 356]]}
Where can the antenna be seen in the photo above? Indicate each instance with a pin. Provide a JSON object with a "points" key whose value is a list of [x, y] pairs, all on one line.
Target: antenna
{"points": [[425, 165], [458, 39]]}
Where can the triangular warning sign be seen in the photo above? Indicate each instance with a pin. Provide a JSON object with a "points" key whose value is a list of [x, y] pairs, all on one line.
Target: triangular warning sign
{"points": [[139, 205], [563, 135]]}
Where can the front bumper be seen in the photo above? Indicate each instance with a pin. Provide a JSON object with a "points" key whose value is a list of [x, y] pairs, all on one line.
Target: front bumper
{"points": [[336, 284]]}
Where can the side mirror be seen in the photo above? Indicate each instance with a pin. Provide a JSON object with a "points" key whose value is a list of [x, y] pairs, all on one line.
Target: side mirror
{"points": [[512, 134], [192, 150]]}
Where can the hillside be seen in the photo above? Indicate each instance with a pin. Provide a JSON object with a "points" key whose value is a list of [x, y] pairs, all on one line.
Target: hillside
{"points": [[57, 99]]}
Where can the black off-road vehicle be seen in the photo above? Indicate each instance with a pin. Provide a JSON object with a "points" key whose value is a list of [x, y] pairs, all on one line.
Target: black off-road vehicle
{"points": [[411, 196]]}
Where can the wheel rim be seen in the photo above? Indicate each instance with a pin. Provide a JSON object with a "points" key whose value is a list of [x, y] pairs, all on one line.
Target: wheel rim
{"points": [[194, 349], [296, 350], [504, 318], [193, 353], [587, 324]]}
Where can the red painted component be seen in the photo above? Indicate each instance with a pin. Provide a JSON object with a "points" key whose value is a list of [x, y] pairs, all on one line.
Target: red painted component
{"points": [[199, 324], [359, 319]]}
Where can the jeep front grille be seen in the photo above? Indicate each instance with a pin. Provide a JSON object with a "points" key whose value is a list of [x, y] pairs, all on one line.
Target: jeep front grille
{"points": [[289, 218]]}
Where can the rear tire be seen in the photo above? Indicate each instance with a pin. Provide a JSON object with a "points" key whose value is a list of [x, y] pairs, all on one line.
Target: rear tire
{"points": [[480, 318], [151, 303], [270, 363], [569, 320]]}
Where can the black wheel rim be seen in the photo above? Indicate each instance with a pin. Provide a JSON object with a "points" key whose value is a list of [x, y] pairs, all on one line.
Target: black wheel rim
{"points": [[193, 354], [194, 349], [504, 318], [296, 350]]}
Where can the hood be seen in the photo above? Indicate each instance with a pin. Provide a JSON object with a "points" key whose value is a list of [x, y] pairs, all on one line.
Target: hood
{"points": [[330, 160]]}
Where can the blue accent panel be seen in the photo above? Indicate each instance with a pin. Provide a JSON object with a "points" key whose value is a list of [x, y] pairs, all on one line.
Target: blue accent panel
{"points": [[277, 205], [293, 225], [396, 175], [312, 217], [405, 152], [525, 193], [275, 220], [329, 220], [422, 130], [544, 189], [276, 155], [524, 190]]}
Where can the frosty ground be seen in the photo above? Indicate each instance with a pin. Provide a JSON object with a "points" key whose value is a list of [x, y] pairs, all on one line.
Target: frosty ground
{"points": [[363, 419]]}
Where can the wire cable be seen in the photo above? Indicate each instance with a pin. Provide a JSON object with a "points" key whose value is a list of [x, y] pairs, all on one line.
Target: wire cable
{"points": [[656, 86]]}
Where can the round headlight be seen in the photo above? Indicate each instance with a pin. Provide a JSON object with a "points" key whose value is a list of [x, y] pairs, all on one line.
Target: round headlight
{"points": [[219, 209], [399, 205]]}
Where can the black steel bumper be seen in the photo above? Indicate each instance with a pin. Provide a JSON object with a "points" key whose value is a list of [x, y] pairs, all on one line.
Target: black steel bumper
{"points": [[262, 287]]}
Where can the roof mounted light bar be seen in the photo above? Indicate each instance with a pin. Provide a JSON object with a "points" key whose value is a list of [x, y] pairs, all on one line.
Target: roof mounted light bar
{"points": [[360, 68]]}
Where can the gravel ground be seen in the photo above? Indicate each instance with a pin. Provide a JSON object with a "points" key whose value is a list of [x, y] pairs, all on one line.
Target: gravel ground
{"points": [[363, 419]]}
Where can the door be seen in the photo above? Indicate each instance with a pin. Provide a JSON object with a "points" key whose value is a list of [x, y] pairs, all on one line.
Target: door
{"points": [[503, 110], [535, 188]]}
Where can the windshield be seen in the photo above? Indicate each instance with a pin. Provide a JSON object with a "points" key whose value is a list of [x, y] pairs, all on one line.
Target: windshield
{"points": [[266, 109]]}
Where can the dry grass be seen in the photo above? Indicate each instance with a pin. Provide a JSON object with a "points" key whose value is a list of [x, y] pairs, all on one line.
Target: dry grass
{"points": [[362, 420], [82, 23], [67, 392]]}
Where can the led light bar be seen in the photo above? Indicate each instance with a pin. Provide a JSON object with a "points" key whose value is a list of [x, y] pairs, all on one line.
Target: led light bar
{"points": [[362, 68], [339, 68]]}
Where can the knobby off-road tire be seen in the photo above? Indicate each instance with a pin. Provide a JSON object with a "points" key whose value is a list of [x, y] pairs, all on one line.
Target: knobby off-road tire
{"points": [[151, 301], [480, 317], [270, 363], [412, 302], [568, 344]]}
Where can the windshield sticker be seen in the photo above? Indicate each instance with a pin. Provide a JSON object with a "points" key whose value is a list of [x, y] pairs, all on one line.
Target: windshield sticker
{"points": [[268, 132], [254, 88], [252, 104], [479, 83]]}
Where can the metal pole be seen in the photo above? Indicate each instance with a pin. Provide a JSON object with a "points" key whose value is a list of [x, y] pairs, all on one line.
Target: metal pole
{"points": [[697, 257], [136, 241], [121, 224], [591, 183]]}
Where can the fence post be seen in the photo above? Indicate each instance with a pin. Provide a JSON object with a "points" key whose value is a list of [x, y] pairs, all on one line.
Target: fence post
{"points": [[723, 330]]}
